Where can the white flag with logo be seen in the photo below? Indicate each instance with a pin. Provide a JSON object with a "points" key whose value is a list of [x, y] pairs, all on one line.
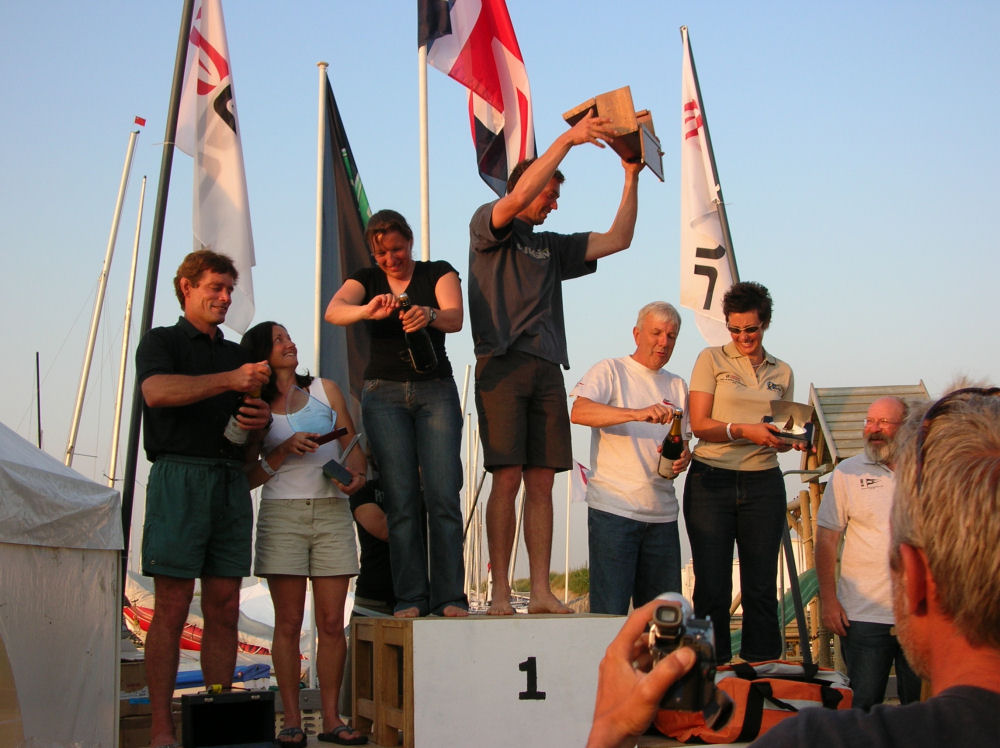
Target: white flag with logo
{"points": [[208, 129], [707, 264]]}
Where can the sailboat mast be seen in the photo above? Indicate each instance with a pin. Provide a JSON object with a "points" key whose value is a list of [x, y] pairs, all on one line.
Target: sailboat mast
{"points": [[115, 433], [95, 319]]}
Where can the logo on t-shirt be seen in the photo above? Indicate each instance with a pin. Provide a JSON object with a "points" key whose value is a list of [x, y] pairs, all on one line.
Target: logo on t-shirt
{"points": [[775, 387], [537, 253], [729, 378], [868, 482]]}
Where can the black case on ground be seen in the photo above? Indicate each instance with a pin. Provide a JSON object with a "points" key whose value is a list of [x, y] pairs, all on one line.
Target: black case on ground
{"points": [[233, 718]]}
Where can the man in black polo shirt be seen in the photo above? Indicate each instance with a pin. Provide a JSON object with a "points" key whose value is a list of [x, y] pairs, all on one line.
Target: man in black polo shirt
{"points": [[198, 511]]}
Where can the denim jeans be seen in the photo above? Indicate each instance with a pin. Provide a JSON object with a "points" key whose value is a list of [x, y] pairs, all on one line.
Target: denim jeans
{"points": [[746, 507], [869, 651], [630, 561], [415, 429]]}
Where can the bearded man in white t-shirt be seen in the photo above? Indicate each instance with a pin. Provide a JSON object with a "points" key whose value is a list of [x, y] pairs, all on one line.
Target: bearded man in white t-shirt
{"points": [[856, 506], [632, 511]]}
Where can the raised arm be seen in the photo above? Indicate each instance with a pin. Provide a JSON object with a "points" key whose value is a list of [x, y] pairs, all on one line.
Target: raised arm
{"points": [[590, 129], [619, 236]]}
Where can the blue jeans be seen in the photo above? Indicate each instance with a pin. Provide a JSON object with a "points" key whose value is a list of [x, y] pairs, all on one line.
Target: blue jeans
{"points": [[746, 507], [630, 560], [415, 429], [869, 651]]}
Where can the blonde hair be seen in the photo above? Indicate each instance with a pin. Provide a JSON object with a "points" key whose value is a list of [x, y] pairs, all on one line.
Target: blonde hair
{"points": [[955, 515]]}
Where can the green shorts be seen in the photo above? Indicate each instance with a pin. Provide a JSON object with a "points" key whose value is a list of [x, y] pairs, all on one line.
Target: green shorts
{"points": [[199, 519]]}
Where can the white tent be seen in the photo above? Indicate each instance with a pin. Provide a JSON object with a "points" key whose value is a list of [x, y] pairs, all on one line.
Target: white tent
{"points": [[60, 602]]}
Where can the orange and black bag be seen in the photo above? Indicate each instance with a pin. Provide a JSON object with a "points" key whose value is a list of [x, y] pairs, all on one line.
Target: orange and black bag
{"points": [[763, 694]]}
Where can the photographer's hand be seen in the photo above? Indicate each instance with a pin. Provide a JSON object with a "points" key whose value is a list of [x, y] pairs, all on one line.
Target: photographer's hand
{"points": [[628, 697]]}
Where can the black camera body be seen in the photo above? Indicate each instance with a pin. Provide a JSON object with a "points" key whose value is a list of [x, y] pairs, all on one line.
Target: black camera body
{"points": [[673, 626]]}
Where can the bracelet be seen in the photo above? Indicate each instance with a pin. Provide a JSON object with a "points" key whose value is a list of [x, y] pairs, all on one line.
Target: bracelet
{"points": [[729, 431], [266, 467]]}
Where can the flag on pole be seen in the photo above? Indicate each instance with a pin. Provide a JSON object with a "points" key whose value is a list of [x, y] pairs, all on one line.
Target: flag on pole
{"points": [[343, 351], [708, 265], [579, 477], [208, 130], [475, 44]]}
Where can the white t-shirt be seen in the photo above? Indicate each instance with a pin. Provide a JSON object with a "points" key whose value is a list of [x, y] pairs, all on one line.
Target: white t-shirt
{"points": [[623, 458], [858, 498], [301, 476]]}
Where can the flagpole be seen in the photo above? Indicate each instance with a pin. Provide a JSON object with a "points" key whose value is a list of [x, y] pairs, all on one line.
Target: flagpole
{"points": [[425, 190], [569, 489], [320, 154], [153, 268], [712, 171], [95, 319], [127, 324]]}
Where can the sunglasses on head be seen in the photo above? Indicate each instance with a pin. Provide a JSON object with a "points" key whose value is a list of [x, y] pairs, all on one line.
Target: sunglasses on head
{"points": [[942, 406], [749, 330]]}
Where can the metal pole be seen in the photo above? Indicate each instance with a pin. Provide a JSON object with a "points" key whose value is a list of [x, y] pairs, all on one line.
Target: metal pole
{"points": [[159, 214], [425, 190], [38, 398], [115, 432], [95, 319], [320, 155]]}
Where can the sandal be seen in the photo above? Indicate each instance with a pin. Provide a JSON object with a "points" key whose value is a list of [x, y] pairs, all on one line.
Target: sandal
{"points": [[334, 736], [297, 737]]}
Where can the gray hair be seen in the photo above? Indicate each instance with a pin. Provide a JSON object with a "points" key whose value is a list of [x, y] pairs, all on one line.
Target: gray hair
{"points": [[660, 310], [955, 516]]}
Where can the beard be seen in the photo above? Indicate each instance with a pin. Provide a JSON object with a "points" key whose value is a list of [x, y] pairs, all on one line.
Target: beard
{"points": [[882, 452]]}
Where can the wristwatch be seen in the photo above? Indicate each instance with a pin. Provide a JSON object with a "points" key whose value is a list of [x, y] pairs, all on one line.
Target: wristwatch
{"points": [[434, 314]]}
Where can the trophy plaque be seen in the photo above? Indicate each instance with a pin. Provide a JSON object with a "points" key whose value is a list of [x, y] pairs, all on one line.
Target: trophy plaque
{"points": [[635, 138]]}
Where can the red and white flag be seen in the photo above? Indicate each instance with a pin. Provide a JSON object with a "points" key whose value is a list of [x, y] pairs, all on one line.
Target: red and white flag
{"points": [[708, 266], [208, 129], [578, 482], [478, 48]]}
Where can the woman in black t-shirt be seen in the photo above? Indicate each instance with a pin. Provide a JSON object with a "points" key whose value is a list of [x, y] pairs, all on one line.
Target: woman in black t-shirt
{"points": [[413, 420]]}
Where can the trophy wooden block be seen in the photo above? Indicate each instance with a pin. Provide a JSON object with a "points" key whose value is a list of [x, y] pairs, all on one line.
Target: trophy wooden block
{"points": [[635, 137]]}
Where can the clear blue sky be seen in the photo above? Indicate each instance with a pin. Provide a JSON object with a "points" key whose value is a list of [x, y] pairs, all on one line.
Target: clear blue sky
{"points": [[856, 144]]}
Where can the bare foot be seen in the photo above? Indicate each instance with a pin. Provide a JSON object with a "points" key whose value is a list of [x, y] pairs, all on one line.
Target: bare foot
{"points": [[413, 612], [453, 611], [501, 607], [546, 604]]}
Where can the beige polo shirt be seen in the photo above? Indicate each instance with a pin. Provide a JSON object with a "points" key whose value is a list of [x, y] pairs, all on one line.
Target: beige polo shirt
{"points": [[741, 396]]}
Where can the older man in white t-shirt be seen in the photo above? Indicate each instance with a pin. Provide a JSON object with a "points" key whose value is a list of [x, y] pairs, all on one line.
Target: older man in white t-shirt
{"points": [[856, 505], [629, 403]]}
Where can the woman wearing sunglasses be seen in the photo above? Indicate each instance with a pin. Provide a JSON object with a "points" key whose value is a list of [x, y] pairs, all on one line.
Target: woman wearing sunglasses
{"points": [[734, 492]]}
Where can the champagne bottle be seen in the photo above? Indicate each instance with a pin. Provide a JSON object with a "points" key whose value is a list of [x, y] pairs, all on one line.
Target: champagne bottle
{"points": [[418, 343], [673, 447], [234, 433]]}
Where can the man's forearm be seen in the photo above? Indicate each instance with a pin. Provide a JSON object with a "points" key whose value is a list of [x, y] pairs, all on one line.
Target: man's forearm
{"points": [[586, 412], [174, 390]]}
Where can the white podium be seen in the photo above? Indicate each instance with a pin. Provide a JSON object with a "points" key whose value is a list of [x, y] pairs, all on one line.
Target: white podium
{"points": [[484, 681]]}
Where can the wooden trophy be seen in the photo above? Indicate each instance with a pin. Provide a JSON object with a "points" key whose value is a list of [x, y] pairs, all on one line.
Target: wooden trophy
{"points": [[635, 138]]}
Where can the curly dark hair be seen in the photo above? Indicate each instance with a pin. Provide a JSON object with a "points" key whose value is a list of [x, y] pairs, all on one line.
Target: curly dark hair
{"points": [[259, 341], [748, 296]]}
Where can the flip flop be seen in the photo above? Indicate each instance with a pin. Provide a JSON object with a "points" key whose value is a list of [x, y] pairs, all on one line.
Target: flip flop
{"points": [[298, 738], [334, 736]]}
